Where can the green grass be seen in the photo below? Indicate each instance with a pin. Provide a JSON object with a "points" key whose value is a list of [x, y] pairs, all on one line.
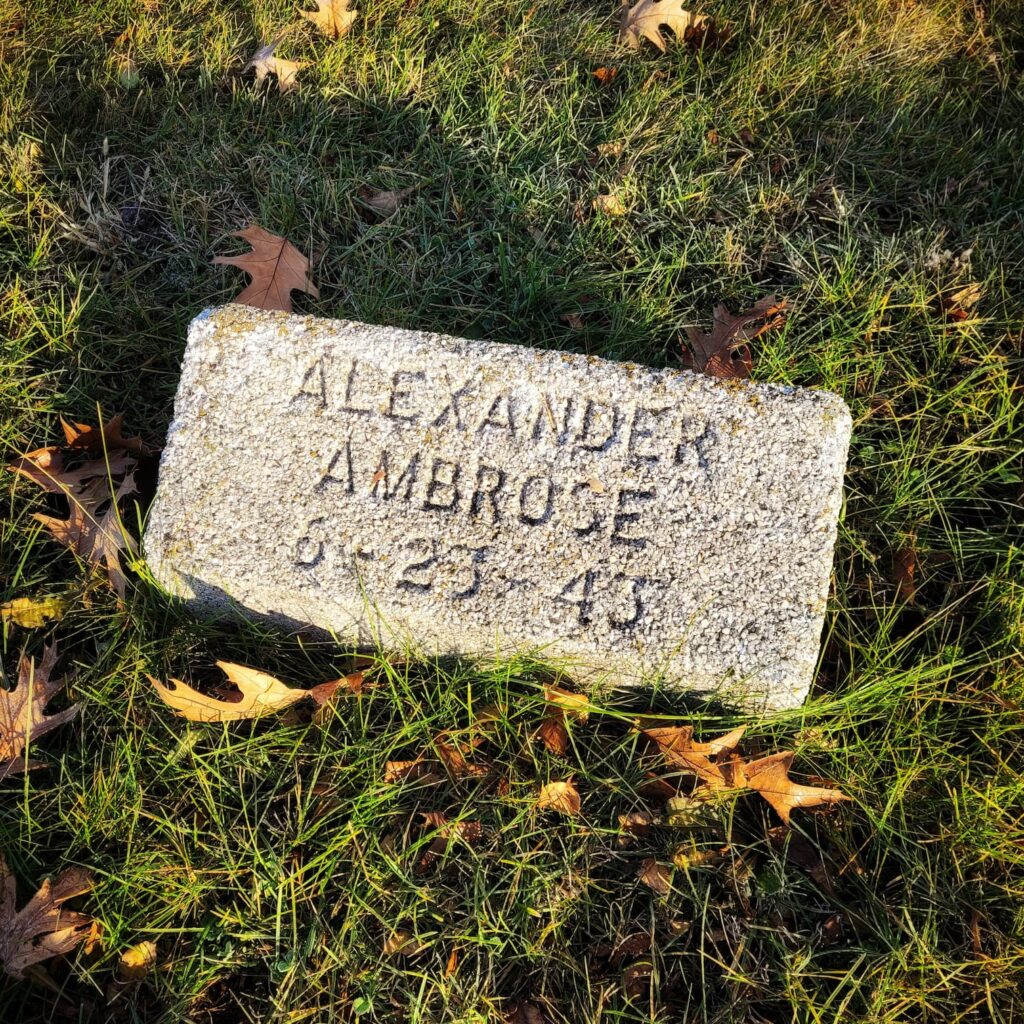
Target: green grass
{"points": [[861, 159]]}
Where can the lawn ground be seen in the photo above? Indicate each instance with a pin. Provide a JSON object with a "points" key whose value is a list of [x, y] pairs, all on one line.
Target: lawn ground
{"points": [[862, 159]]}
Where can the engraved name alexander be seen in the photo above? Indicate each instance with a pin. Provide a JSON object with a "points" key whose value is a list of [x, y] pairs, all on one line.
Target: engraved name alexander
{"points": [[581, 467]]}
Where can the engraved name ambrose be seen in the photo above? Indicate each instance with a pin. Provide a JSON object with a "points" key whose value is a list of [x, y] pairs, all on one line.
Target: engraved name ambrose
{"points": [[658, 441]]}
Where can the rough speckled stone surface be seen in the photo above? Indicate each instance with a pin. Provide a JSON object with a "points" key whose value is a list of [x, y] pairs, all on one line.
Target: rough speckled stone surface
{"points": [[475, 498]]}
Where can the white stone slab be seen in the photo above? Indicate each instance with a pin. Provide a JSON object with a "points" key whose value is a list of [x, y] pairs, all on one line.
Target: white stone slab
{"points": [[474, 498]]}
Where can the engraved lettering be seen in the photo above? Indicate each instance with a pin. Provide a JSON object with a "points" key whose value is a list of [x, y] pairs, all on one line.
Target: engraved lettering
{"points": [[600, 427], [596, 521], [547, 422], [442, 488], [343, 456], [309, 552], [536, 500], [695, 439], [350, 387], [489, 480], [452, 408], [314, 385], [634, 603], [578, 593], [475, 557], [499, 415], [382, 475], [623, 517], [642, 428], [398, 394], [415, 575]]}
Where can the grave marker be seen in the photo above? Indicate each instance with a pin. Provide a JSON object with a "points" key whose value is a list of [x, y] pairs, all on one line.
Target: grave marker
{"points": [[476, 498]]}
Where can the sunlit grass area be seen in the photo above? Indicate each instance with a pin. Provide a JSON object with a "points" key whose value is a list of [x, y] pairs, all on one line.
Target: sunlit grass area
{"points": [[863, 160]]}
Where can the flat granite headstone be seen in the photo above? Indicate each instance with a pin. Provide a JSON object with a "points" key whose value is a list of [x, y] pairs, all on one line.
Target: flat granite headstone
{"points": [[472, 498]]}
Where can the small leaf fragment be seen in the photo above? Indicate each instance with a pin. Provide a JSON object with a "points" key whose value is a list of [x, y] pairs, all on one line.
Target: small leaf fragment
{"points": [[31, 613], [610, 205], [562, 797], [264, 63], [656, 876], [403, 943], [387, 202], [136, 962]]}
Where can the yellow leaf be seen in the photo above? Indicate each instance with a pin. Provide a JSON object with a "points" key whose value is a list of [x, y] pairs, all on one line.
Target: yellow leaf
{"points": [[31, 614], [262, 694], [769, 776], [610, 206], [264, 63], [404, 943], [575, 705], [559, 796], [137, 961], [332, 17]]}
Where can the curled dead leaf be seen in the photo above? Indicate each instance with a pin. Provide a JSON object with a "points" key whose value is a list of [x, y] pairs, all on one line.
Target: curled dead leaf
{"points": [[769, 776], [42, 928], [904, 568], [725, 352], [609, 205], [23, 718], [959, 305], [136, 962], [562, 706], [656, 876], [261, 694], [562, 797], [454, 755], [646, 19], [94, 489]]}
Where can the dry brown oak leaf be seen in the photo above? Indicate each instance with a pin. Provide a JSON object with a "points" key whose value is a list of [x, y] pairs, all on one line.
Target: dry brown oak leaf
{"points": [[769, 776], [264, 63], [678, 747], [562, 705], [23, 717], [562, 797], [276, 268], [646, 18], [258, 694], [42, 928], [725, 352], [94, 489], [332, 17]]}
